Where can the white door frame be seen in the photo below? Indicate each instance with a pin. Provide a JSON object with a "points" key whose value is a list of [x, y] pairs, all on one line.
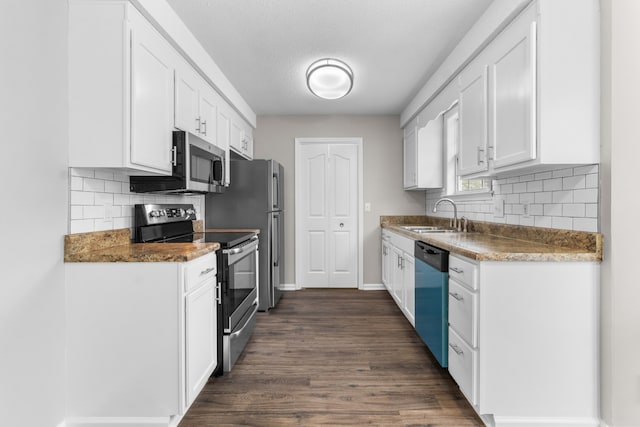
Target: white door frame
{"points": [[357, 141]]}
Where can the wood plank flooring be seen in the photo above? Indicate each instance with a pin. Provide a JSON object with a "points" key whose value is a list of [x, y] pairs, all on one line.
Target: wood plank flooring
{"points": [[329, 357]]}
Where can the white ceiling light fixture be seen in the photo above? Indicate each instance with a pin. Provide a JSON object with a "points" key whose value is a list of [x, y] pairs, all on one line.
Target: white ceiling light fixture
{"points": [[329, 78]]}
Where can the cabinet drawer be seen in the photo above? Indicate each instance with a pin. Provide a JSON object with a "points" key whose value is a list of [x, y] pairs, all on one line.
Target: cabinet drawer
{"points": [[463, 366], [463, 271], [199, 270], [463, 306]]}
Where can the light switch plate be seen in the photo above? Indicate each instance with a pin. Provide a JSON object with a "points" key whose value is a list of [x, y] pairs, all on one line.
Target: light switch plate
{"points": [[367, 207], [498, 206]]}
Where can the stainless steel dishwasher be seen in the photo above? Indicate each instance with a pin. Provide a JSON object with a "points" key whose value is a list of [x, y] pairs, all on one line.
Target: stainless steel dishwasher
{"points": [[432, 302]]}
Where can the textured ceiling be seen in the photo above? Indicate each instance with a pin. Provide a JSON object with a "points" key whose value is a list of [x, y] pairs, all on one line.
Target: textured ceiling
{"points": [[265, 46]]}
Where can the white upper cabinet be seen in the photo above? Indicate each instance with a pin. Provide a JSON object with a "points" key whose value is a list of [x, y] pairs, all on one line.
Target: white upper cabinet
{"points": [[530, 100], [129, 88], [196, 104], [410, 155], [513, 94], [472, 151], [241, 140], [120, 90]]}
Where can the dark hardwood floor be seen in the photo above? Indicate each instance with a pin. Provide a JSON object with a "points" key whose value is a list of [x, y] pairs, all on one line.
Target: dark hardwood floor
{"points": [[332, 357]]}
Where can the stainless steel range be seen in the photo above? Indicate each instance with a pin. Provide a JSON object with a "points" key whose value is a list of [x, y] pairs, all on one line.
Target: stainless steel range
{"points": [[237, 262]]}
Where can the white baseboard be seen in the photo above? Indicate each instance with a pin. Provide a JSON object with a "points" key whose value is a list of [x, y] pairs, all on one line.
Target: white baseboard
{"points": [[543, 421], [121, 422], [373, 287], [288, 287]]}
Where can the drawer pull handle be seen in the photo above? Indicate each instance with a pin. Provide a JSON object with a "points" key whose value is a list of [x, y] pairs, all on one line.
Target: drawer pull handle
{"points": [[456, 270], [457, 296], [456, 349], [207, 271]]}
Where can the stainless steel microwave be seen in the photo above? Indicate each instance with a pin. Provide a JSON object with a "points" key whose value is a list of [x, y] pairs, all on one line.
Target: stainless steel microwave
{"points": [[197, 167]]}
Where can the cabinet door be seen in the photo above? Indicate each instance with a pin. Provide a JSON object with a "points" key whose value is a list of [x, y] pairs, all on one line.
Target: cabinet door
{"points": [[409, 285], [472, 147], [208, 114], [224, 134], [200, 336], [513, 95], [236, 137], [186, 115], [410, 157], [397, 278], [247, 139], [152, 65], [386, 256]]}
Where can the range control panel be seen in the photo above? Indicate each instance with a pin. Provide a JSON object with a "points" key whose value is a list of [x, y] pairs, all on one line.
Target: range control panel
{"points": [[162, 214]]}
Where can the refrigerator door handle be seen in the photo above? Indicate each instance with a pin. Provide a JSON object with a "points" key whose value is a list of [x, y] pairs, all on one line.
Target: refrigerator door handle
{"points": [[276, 195]]}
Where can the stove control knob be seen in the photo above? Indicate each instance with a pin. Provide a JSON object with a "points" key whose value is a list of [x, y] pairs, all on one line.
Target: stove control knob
{"points": [[191, 211], [154, 214]]}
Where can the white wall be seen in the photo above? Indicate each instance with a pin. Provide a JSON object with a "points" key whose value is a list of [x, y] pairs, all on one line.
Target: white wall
{"points": [[620, 292], [382, 152], [33, 118], [565, 198]]}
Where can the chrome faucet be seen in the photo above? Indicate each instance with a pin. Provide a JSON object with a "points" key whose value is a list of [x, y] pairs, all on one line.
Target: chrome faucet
{"points": [[455, 224]]}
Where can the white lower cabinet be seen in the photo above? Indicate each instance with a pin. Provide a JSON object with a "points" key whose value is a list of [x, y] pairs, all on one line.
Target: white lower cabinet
{"points": [[523, 340], [398, 271], [141, 340]]}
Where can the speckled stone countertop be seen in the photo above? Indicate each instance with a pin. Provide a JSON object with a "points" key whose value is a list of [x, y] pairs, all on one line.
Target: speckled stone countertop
{"points": [[116, 246], [500, 242]]}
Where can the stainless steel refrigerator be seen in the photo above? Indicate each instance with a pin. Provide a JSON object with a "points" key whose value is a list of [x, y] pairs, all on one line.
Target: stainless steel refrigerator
{"points": [[255, 199]]}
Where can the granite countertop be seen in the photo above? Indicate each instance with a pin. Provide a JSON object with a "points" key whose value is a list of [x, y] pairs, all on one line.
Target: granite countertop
{"points": [[500, 242]]}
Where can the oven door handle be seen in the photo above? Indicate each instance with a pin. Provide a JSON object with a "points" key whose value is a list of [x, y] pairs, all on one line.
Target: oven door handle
{"points": [[239, 331], [241, 249]]}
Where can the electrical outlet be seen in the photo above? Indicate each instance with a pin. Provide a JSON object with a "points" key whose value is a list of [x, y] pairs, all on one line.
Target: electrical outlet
{"points": [[526, 210], [498, 206], [367, 207]]}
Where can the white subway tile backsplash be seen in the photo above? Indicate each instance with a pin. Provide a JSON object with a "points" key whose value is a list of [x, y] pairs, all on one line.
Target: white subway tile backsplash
{"points": [[565, 198], [100, 200], [112, 186], [573, 182], [573, 209], [585, 224], [542, 221], [589, 195], [76, 183], [544, 197], [585, 170], [533, 186], [562, 222], [592, 181], [95, 185], [553, 184], [81, 226], [559, 173], [591, 210], [103, 199], [81, 198], [553, 209], [103, 175], [520, 187]]}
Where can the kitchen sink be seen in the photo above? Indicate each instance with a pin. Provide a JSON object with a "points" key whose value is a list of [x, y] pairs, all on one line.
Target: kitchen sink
{"points": [[420, 229]]}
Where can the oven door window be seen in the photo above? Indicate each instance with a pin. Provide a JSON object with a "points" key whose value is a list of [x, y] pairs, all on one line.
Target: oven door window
{"points": [[243, 277]]}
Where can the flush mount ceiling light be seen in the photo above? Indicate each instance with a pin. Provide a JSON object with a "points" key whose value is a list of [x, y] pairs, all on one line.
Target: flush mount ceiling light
{"points": [[329, 78]]}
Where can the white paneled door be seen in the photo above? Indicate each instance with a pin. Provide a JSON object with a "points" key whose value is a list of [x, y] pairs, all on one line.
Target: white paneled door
{"points": [[327, 218]]}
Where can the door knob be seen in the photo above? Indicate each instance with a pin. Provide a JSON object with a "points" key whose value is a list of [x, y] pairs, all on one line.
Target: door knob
{"points": [[341, 224]]}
